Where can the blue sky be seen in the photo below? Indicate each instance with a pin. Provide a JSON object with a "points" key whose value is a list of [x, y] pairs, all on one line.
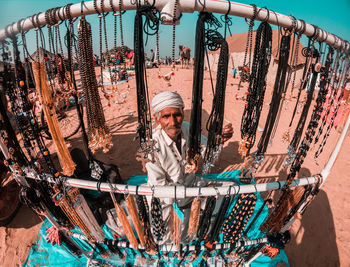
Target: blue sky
{"points": [[333, 17]]}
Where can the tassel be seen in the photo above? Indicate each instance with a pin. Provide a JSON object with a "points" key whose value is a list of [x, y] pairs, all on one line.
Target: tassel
{"points": [[65, 202], [194, 218], [82, 208], [176, 221], [67, 164], [158, 224], [130, 201], [125, 223], [175, 226], [288, 200]]}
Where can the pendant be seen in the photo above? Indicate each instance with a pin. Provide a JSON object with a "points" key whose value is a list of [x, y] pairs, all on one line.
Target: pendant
{"points": [[286, 136], [243, 147]]}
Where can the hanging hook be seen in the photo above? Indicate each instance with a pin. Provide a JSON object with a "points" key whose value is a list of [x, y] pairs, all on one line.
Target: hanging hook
{"points": [[152, 188], [251, 22], [82, 8], [217, 192]]}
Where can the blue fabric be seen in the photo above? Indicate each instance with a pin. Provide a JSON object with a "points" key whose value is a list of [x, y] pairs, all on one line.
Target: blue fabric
{"points": [[45, 254]]}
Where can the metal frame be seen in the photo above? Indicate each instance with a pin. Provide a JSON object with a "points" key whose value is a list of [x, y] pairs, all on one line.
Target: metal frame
{"points": [[183, 6]]}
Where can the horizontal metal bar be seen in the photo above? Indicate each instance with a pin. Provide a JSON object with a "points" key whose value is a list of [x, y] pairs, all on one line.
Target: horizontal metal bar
{"points": [[180, 191], [188, 6]]}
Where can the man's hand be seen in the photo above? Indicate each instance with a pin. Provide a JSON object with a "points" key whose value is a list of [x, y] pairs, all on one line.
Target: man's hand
{"points": [[227, 132]]}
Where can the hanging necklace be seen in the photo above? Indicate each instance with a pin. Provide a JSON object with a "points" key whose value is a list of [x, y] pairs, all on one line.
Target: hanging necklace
{"points": [[245, 69], [312, 126], [105, 58], [285, 82], [302, 120], [256, 88], [308, 53], [331, 96], [238, 217], [122, 41], [144, 128], [167, 77], [278, 90], [194, 143], [335, 110], [98, 132], [216, 117]]}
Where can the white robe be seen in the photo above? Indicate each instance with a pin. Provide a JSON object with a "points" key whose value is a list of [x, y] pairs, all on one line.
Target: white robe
{"points": [[169, 169]]}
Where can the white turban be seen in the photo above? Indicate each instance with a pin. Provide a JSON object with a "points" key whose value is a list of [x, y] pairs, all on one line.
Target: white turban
{"points": [[166, 99]]}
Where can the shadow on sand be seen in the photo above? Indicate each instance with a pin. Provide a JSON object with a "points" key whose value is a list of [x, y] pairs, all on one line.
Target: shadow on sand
{"points": [[314, 240]]}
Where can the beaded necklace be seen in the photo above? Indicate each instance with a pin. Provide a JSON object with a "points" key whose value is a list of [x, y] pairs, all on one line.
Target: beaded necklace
{"points": [[278, 94], [144, 128], [302, 120], [315, 117], [158, 224], [29, 130], [98, 132], [102, 28], [238, 217], [216, 117], [194, 143], [167, 77], [330, 125], [331, 96], [205, 218], [142, 206], [121, 38], [245, 71], [72, 43], [256, 88]]}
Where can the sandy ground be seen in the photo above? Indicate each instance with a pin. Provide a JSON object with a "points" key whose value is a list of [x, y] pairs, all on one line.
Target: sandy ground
{"points": [[321, 238]]}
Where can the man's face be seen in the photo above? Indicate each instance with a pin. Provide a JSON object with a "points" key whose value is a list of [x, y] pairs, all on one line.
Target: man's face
{"points": [[170, 120]]}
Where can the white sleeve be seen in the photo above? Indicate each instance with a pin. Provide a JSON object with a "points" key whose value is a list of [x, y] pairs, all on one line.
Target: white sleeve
{"points": [[156, 174]]}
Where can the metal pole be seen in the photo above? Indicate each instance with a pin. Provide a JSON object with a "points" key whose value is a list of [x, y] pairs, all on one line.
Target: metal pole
{"points": [[181, 191], [184, 6], [327, 169]]}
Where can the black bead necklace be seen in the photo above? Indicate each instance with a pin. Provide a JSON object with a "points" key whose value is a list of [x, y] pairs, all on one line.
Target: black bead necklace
{"points": [[144, 128], [278, 90], [215, 121], [315, 117], [256, 88], [302, 120], [98, 132], [245, 71]]}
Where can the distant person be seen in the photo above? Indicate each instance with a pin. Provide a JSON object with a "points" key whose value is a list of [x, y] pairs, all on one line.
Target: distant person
{"points": [[151, 56], [234, 72], [182, 55], [151, 59], [187, 56]]}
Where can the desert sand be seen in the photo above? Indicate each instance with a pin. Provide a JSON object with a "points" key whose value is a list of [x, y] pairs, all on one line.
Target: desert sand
{"points": [[321, 238]]}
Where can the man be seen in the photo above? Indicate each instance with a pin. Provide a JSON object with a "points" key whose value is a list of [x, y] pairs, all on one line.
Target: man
{"points": [[171, 137], [151, 59]]}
